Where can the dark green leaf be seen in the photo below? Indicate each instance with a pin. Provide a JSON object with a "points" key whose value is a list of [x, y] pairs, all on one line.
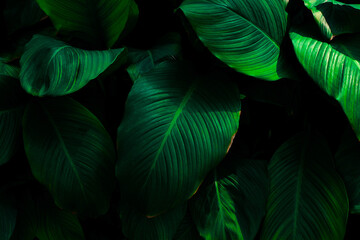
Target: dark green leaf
{"points": [[334, 67], [99, 22], [307, 197], [71, 153], [245, 34], [8, 70], [334, 17], [187, 230], [138, 227], [11, 109], [233, 204], [50, 67], [177, 126], [347, 161], [7, 217]]}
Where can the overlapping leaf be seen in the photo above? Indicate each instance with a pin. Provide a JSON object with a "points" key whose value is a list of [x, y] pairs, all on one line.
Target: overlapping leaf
{"points": [[51, 67], [348, 164], [138, 227], [307, 197], [177, 127], [7, 69], [71, 153], [11, 109], [335, 67], [99, 22], [245, 34], [334, 17], [233, 205]]}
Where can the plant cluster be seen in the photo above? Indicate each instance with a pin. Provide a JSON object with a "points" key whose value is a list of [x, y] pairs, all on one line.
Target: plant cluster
{"points": [[171, 120]]}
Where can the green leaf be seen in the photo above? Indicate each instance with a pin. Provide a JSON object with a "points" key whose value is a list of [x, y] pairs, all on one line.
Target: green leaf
{"points": [[178, 125], [143, 61], [307, 197], [7, 69], [187, 230], [138, 227], [347, 163], [50, 67], [233, 204], [99, 22], [71, 153], [11, 110], [19, 14], [245, 34], [335, 67], [7, 217], [335, 18]]}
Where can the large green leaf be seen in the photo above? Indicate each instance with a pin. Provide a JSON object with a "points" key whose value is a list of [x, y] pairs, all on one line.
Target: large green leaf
{"points": [[334, 17], [335, 67], [51, 67], [307, 197], [233, 204], [347, 161], [178, 125], [7, 217], [138, 227], [99, 22], [11, 109], [245, 34], [71, 153]]}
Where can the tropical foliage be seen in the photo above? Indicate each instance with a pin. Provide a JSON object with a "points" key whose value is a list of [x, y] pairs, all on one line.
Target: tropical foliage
{"points": [[179, 120]]}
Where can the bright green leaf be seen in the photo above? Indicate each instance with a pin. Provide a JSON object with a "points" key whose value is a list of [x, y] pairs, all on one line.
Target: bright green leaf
{"points": [[11, 109], [245, 34], [334, 67], [99, 22], [163, 227], [71, 153], [347, 161], [233, 204], [7, 217], [307, 197], [178, 125], [51, 67], [335, 18]]}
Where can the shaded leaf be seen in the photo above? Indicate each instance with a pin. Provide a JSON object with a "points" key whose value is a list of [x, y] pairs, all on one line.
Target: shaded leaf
{"points": [[71, 153], [163, 227], [233, 204], [244, 34], [347, 161], [187, 230], [99, 22], [8, 70], [178, 125], [50, 67], [7, 217], [335, 67], [334, 17], [307, 197]]}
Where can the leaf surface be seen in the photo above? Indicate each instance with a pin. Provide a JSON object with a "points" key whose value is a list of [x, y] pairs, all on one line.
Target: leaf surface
{"points": [[233, 204], [178, 125], [99, 22], [335, 67], [307, 197], [51, 67], [245, 34], [7, 217], [71, 153]]}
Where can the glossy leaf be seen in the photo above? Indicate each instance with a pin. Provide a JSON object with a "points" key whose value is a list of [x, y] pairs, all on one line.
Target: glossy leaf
{"points": [[11, 109], [245, 34], [7, 217], [51, 67], [335, 67], [334, 17], [348, 164], [177, 126], [163, 227], [233, 204], [99, 22], [307, 197], [71, 153]]}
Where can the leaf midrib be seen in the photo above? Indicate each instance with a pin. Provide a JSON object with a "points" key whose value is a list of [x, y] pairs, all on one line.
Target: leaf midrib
{"points": [[62, 143], [171, 126]]}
